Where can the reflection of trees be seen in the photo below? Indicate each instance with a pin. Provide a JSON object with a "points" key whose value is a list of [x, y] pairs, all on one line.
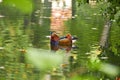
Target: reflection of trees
{"points": [[40, 20], [73, 7]]}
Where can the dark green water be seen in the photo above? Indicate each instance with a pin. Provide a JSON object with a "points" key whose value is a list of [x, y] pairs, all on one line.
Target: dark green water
{"points": [[87, 26]]}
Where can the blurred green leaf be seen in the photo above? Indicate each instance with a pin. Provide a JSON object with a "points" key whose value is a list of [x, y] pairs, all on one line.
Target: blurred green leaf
{"points": [[109, 69], [25, 6], [43, 59], [84, 78]]}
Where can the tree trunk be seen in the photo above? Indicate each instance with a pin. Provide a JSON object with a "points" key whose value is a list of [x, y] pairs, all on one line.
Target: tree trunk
{"points": [[105, 35], [73, 7]]}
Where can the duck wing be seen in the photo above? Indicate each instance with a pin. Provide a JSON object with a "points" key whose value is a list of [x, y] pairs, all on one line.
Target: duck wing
{"points": [[65, 42]]}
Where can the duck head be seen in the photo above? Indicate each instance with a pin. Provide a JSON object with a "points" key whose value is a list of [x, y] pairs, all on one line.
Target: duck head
{"points": [[54, 39], [68, 36], [54, 36]]}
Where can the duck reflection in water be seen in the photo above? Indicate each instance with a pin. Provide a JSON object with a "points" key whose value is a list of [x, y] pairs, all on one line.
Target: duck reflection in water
{"points": [[64, 43]]}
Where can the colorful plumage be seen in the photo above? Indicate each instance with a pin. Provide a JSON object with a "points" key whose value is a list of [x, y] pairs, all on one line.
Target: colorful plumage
{"points": [[64, 41], [67, 41]]}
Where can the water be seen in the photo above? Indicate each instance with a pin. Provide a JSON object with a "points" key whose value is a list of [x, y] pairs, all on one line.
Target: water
{"points": [[87, 28], [80, 58]]}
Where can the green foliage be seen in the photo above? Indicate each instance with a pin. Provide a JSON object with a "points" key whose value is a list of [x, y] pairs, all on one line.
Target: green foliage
{"points": [[13, 43], [94, 63], [43, 59], [87, 26], [109, 69], [113, 10], [82, 1], [117, 17], [84, 78], [14, 40], [114, 40], [25, 6]]}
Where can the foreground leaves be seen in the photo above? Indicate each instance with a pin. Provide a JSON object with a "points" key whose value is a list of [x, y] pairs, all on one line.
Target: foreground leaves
{"points": [[43, 59]]}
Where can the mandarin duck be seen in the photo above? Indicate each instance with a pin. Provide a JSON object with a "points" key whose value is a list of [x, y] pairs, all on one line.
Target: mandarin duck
{"points": [[64, 41], [67, 41], [57, 43], [54, 39]]}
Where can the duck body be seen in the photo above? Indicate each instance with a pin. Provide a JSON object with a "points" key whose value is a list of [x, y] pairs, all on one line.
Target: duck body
{"points": [[64, 41], [61, 42]]}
